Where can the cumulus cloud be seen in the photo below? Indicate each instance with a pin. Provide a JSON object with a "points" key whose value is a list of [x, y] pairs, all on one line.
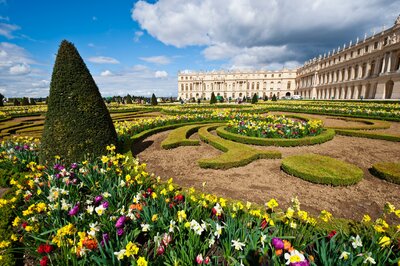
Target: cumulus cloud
{"points": [[106, 73], [41, 84], [242, 31], [160, 74], [20, 69], [103, 60], [159, 60]]}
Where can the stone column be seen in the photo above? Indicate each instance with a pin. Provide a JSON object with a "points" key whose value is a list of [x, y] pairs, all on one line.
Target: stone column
{"points": [[360, 74], [384, 64], [363, 89], [380, 91], [389, 63]]}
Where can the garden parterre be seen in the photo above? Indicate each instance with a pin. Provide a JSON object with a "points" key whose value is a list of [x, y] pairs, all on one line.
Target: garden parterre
{"points": [[111, 211]]}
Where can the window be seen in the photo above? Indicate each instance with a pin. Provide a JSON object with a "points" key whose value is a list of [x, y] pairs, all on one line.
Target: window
{"points": [[272, 75], [280, 75], [351, 54], [359, 51], [366, 49], [376, 45], [288, 85]]}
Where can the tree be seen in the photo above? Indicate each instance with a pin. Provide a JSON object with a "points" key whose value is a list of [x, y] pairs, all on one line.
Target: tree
{"points": [[265, 98], [244, 99], [213, 98], [254, 99], [78, 124], [32, 101], [128, 99], [153, 100], [25, 101], [274, 99], [1, 99], [16, 102]]}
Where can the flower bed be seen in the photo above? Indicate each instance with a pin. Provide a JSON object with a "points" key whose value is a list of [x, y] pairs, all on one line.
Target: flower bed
{"points": [[275, 127], [112, 212]]}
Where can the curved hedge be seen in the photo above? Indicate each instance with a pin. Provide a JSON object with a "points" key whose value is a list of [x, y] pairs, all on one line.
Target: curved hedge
{"points": [[368, 135], [321, 138], [370, 124], [235, 155], [179, 137], [390, 171], [322, 169]]}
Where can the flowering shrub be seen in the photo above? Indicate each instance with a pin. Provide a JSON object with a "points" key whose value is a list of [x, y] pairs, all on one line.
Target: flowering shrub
{"points": [[275, 127], [112, 212]]}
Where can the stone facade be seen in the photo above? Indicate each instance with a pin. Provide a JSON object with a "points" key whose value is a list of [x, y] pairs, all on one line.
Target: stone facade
{"points": [[368, 69], [234, 85]]}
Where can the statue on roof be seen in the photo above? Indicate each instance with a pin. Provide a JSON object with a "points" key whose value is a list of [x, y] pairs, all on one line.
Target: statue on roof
{"points": [[397, 22]]}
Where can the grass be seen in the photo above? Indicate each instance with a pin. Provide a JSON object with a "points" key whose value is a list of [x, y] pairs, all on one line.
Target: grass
{"points": [[322, 169], [368, 135], [235, 154], [321, 138], [389, 171], [180, 137]]}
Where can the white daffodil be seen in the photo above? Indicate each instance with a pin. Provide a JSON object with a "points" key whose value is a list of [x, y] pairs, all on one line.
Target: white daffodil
{"points": [[218, 230], [356, 241], [344, 255], [238, 245], [120, 254], [294, 256], [145, 227], [369, 259]]}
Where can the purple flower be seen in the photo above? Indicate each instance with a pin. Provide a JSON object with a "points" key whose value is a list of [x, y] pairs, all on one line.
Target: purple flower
{"points": [[74, 165], [277, 243], [97, 199], [17, 148], [105, 240], [74, 210], [26, 147], [120, 231], [120, 222], [105, 204]]}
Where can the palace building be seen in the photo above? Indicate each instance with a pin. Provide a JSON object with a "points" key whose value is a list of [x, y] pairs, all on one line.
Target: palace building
{"points": [[367, 69], [236, 84]]}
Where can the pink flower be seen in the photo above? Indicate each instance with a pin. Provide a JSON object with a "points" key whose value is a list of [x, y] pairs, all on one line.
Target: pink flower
{"points": [[199, 259], [74, 210], [120, 222], [207, 260], [160, 250]]}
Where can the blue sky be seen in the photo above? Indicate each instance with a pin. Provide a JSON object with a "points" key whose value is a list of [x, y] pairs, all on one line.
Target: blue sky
{"points": [[137, 47]]}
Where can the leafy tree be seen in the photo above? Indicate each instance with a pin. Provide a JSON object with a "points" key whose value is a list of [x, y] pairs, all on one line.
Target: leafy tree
{"points": [[265, 98], [25, 101], [213, 98], [16, 102], [153, 99], [274, 99], [1, 99], [198, 101], [244, 99], [32, 101], [254, 99], [78, 124]]}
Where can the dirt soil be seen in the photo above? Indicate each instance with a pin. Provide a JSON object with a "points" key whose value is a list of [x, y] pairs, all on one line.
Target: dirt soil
{"points": [[262, 179]]}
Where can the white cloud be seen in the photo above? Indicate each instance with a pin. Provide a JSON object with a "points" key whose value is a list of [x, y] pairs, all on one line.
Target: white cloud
{"points": [[41, 84], [7, 30], [160, 60], [242, 31], [91, 44], [103, 60], [20, 69], [138, 34], [106, 73], [4, 18], [160, 74]]}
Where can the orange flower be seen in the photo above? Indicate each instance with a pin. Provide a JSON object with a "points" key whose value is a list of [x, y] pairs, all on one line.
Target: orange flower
{"points": [[278, 252], [90, 243], [286, 245], [136, 207]]}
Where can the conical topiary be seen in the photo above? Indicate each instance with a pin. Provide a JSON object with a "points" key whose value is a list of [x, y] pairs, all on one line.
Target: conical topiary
{"points": [[153, 99], [254, 99], [213, 98], [77, 122]]}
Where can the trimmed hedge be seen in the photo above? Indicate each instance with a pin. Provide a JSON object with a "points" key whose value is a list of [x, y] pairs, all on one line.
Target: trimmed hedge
{"points": [[368, 135], [235, 154], [144, 134], [321, 138], [389, 171], [179, 137], [371, 124], [322, 169]]}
